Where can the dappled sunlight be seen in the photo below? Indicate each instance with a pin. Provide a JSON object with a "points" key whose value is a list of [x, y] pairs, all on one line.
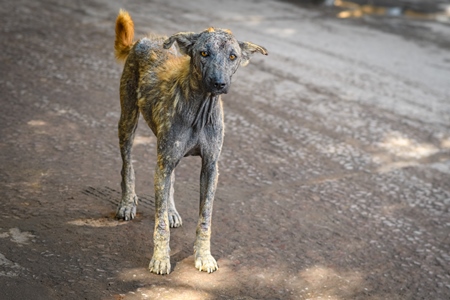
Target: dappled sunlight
{"points": [[39, 126], [175, 293], [327, 283], [101, 222], [167, 290], [36, 123], [355, 10], [401, 152], [17, 236], [223, 278], [185, 282], [317, 282], [404, 147]]}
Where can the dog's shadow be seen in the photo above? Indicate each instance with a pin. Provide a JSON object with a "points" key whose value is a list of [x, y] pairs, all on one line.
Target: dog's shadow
{"points": [[181, 247], [182, 238]]}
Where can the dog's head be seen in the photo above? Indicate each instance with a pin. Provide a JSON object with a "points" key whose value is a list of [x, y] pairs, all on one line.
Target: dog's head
{"points": [[215, 55]]}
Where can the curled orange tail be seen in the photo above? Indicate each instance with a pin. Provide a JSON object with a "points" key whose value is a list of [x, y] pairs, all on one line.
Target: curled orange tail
{"points": [[124, 35]]}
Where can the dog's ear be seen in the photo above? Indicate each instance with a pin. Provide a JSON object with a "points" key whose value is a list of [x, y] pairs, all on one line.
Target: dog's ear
{"points": [[247, 50], [185, 41]]}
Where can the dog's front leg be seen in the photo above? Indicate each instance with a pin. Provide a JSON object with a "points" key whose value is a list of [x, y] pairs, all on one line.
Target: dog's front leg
{"points": [[160, 263], [208, 182]]}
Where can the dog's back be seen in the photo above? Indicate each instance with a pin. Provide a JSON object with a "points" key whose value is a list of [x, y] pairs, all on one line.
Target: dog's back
{"points": [[149, 73]]}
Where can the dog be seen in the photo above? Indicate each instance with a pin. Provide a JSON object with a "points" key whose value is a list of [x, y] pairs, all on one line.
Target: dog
{"points": [[178, 92]]}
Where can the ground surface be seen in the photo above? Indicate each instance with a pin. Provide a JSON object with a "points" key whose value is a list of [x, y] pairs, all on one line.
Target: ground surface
{"points": [[335, 173]]}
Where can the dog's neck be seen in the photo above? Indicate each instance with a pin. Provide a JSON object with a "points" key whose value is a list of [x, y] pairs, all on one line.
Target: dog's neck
{"points": [[206, 113]]}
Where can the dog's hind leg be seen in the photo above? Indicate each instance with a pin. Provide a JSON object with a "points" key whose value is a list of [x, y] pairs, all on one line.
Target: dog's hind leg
{"points": [[174, 216], [127, 127]]}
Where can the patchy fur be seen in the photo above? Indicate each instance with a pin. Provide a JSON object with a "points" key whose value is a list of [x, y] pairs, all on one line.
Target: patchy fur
{"points": [[177, 91]]}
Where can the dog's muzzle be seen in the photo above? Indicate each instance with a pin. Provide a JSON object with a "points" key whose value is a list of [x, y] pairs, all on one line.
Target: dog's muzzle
{"points": [[218, 86]]}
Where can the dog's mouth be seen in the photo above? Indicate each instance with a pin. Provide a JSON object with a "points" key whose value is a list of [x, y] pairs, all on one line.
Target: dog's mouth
{"points": [[220, 91]]}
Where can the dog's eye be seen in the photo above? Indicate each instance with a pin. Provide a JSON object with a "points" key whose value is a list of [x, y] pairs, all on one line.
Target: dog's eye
{"points": [[204, 53], [232, 56]]}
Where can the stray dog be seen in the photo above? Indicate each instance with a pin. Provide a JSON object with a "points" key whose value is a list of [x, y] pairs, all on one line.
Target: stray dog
{"points": [[177, 90]]}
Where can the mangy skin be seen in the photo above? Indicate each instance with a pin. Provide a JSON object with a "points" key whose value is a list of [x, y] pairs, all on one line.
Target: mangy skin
{"points": [[177, 91]]}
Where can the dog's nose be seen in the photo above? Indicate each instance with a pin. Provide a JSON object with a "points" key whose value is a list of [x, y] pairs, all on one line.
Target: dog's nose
{"points": [[219, 84]]}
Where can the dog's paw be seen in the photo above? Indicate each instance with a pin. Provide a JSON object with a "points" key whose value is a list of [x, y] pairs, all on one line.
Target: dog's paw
{"points": [[174, 219], [159, 266], [127, 210], [205, 263]]}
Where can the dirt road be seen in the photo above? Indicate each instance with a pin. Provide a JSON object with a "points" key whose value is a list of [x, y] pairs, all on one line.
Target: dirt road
{"points": [[334, 177]]}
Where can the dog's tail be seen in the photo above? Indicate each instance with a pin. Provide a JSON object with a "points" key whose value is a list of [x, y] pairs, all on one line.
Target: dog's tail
{"points": [[124, 35]]}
